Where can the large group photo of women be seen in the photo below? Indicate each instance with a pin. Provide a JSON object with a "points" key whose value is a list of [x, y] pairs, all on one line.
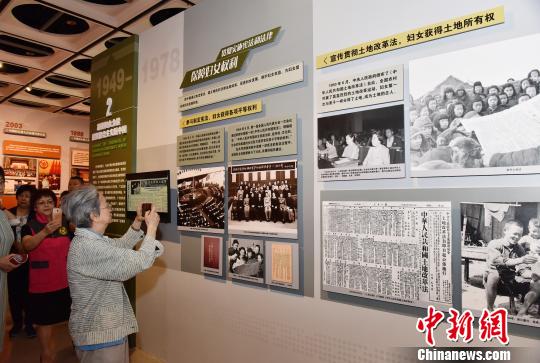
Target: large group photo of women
{"points": [[447, 92], [264, 201]]}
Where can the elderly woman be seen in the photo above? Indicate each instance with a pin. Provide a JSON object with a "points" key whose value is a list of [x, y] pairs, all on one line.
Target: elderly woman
{"points": [[101, 315]]}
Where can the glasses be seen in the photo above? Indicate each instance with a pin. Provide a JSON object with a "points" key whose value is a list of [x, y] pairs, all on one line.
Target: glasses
{"points": [[45, 202], [106, 206]]}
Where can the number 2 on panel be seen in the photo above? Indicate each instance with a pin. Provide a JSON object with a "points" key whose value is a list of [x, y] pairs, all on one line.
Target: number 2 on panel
{"points": [[109, 105]]}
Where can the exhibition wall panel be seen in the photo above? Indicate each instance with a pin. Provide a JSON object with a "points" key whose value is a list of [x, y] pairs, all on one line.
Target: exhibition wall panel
{"points": [[283, 72], [57, 129], [186, 315], [425, 76]]}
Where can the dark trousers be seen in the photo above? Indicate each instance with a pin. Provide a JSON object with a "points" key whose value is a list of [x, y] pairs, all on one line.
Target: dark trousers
{"points": [[18, 296]]}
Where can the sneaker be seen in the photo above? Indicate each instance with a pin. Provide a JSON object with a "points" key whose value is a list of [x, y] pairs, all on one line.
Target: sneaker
{"points": [[30, 332]]}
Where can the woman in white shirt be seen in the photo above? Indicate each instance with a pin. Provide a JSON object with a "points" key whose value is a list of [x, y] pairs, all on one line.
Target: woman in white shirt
{"points": [[378, 154], [351, 151]]}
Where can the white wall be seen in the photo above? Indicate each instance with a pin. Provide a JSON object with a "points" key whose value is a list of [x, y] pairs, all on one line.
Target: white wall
{"points": [[58, 127]]}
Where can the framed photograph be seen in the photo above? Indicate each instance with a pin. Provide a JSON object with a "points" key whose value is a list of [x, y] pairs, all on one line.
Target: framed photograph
{"points": [[263, 199], [246, 259], [362, 145], [282, 264], [201, 199], [396, 251], [476, 111], [500, 258], [211, 255], [152, 187]]}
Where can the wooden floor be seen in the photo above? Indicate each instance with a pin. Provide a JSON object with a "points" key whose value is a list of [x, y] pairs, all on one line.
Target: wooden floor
{"points": [[23, 350]]}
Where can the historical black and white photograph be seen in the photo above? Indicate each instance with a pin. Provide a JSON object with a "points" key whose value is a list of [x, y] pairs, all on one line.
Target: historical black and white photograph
{"points": [[362, 145], [475, 111], [201, 199], [500, 258], [263, 199], [246, 259]]}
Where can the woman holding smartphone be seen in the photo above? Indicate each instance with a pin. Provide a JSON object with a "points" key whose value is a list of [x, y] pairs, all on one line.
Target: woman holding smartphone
{"points": [[46, 238], [101, 316]]}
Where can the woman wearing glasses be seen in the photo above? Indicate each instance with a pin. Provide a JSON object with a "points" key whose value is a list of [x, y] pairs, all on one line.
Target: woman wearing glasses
{"points": [[47, 239], [101, 315]]}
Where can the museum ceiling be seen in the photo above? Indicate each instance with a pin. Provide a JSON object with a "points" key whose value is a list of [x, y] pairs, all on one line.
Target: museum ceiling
{"points": [[46, 47]]}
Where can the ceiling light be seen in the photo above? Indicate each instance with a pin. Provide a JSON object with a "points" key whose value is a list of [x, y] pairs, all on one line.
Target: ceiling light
{"points": [[28, 88], [1, 64]]}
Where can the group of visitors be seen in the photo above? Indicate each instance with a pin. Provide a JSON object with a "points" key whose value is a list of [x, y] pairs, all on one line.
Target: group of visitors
{"points": [[74, 272]]}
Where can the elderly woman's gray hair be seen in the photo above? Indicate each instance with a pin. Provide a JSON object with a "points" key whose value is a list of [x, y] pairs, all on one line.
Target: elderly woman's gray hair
{"points": [[79, 204]]}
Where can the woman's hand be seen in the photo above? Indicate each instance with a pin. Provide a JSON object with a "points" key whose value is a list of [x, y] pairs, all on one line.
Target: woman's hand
{"points": [[151, 218], [52, 226], [139, 217], [6, 265]]}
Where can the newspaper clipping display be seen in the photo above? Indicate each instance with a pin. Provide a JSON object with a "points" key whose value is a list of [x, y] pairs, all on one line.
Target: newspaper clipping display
{"points": [[394, 251], [246, 259], [211, 255], [282, 267], [471, 117], [201, 199], [263, 199], [155, 191], [500, 259], [362, 145]]}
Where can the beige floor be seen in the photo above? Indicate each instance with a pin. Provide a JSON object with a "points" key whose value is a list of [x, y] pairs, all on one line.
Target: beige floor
{"points": [[24, 350]]}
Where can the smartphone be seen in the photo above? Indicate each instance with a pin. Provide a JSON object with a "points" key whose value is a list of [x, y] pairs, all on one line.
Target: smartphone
{"points": [[18, 259], [146, 207], [57, 214]]}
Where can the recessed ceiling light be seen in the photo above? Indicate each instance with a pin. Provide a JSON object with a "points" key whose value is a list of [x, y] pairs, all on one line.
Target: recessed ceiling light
{"points": [[67, 82], [7, 68], [46, 94], [164, 14], [27, 103], [23, 47], [113, 41], [83, 65], [28, 88], [107, 2], [76, 112], [46, 19]]}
